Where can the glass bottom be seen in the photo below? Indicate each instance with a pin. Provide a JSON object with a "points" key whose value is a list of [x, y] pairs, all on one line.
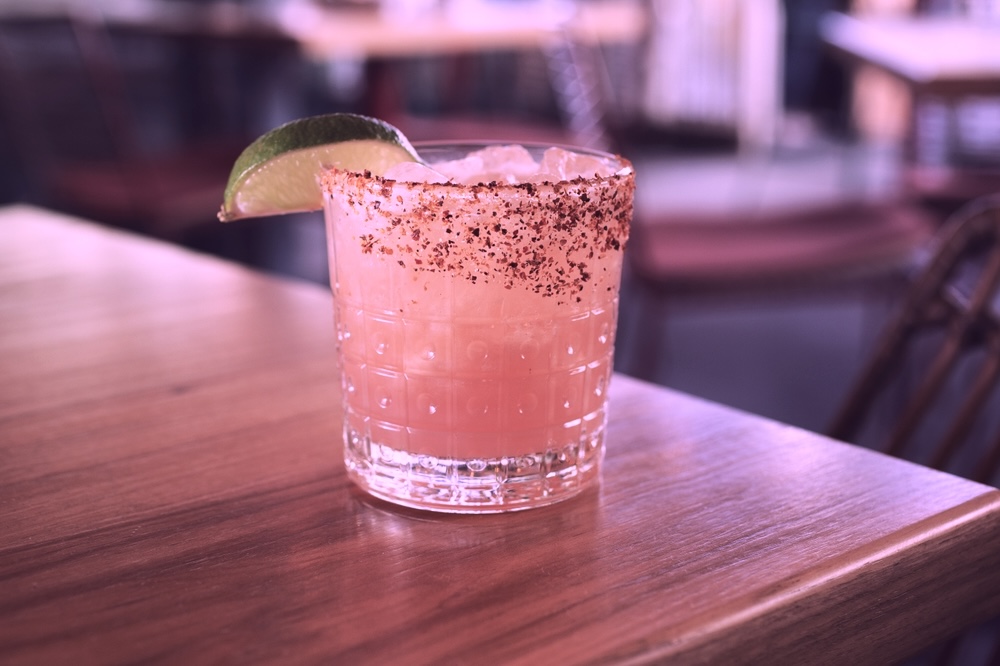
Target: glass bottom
{"points": [[474, 485]]}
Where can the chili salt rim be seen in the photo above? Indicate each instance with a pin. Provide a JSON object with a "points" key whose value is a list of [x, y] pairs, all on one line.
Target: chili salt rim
{"points": [[551, 241]]}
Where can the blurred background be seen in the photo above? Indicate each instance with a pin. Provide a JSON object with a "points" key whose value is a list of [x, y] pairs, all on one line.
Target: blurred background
{"points": [[793, 157]]}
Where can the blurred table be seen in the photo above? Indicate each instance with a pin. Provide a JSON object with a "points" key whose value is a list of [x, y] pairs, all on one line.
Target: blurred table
{"points": [[569, 35], [327, 31], [945, 58], [461, 27], [941, 55], [171, 489]]}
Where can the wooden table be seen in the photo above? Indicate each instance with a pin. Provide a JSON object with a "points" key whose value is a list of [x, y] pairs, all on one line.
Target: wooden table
{"points": [[172, 491]]}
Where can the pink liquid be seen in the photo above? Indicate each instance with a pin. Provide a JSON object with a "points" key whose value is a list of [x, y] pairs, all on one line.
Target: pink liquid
{"points": [[468, 388], [475, 324]]}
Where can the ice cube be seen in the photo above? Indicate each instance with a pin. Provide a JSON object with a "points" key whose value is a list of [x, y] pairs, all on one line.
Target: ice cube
{"points": [[514, 164], [560, 164], [513, 161], [461, 171], [414, 172], [503, 164]]}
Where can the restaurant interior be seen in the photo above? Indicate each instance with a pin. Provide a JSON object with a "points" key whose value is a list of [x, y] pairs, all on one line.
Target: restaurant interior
{"points": [[130, 112], [770, 165], [787, 187], [797, 162]]}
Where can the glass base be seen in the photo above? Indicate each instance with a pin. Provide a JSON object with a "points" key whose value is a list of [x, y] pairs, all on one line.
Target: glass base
{"points": [[475, 485]]}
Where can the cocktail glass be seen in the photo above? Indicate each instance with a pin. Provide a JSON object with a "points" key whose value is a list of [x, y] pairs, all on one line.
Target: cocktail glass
{"points": [[475, 328]]}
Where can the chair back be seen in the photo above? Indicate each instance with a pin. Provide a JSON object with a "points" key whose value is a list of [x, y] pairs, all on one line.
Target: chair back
{"points": [[927, 390], [97, 115], [49, 109]]}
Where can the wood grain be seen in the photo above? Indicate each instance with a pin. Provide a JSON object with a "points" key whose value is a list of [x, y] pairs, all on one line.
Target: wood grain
{"points": [[171, 491]]}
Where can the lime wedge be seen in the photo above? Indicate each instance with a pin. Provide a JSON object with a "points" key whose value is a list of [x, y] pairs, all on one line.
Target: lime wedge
{"points": [[278, 173]]}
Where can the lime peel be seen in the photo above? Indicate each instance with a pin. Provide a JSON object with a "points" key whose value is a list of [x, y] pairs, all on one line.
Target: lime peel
{"points": [[278, 173]]}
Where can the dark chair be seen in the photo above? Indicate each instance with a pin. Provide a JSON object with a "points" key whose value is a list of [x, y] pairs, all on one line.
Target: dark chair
{"points": [[948, 327], [929, 391], [69, 107]]}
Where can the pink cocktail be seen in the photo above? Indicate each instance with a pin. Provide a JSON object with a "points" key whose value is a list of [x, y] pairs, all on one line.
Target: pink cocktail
{"points": [[476, 322]]}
